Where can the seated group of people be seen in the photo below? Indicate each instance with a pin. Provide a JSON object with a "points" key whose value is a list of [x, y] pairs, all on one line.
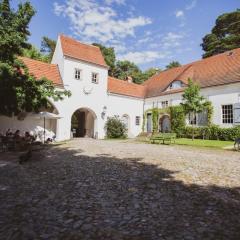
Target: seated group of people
{"points": [[18, 136]]}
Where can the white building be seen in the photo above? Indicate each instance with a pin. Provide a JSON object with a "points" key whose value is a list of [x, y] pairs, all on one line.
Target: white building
{"points": [[81, 69]]}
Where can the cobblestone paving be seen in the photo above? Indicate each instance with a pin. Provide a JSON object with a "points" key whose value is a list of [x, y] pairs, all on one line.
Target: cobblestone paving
{"points": [[88, 189]]}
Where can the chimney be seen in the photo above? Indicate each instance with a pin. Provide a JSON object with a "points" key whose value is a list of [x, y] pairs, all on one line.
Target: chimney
{"points": [[129, 79]]}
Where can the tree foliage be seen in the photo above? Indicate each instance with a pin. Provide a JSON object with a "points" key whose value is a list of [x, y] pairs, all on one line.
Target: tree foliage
{"points": [[19, 91], [109, 57], [224, 36], [48, 47], [173, 64], [193, 102], [34, 53], [124, 69]]}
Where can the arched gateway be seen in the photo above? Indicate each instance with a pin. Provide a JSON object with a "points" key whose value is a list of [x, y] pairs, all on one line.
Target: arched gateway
{"points": [[83, 123]]}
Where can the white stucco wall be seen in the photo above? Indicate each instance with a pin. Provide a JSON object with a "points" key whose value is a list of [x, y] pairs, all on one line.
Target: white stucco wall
{"points": [[122, 105], [58, 57], [219, 95], [95, 100]]}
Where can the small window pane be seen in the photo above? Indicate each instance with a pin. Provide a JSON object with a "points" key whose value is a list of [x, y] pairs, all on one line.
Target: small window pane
{"points": [[77, 74], [164, 104], [192, 119], [227, 114], [137, 120], [94, 77]]}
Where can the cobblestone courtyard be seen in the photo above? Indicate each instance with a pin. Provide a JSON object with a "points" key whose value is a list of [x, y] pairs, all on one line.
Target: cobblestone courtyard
{"points": [[88, 189]]}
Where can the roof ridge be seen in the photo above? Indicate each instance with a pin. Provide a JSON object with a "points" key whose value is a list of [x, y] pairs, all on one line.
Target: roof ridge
{"points": [[39, 61], [77, 41], [184, 70], [126, 82]]}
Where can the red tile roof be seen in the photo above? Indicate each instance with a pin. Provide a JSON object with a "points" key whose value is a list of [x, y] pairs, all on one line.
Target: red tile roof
{"points": [[121, 87], [213, 71], [89, 53], [41, 69]]}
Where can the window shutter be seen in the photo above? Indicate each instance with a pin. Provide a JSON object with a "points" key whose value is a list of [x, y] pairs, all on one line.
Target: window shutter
{"points": [[236, 113], [202, 118]]}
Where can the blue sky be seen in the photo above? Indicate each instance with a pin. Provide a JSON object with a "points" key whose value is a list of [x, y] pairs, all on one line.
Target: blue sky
{"points": [[150, 33]]}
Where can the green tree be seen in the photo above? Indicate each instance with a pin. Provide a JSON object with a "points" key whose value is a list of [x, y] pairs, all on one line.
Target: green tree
{"points": [[109, 56], [34, 53], [224, 36], [193, 102], [149, 73], [173, 64], [48, 47], [125, 69], [20, 91]]}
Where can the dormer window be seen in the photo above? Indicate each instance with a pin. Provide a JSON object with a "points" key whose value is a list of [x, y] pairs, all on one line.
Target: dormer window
{"points": [[78, 74], [176, 85], [95, 78]]}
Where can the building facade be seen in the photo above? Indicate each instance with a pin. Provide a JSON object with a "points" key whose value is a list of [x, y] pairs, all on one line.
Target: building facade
{"points": [[81, 69]]}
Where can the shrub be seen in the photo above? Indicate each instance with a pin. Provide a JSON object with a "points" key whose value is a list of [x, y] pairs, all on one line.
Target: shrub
{"points": [[178, 120], [213, 132], [115, 128]]}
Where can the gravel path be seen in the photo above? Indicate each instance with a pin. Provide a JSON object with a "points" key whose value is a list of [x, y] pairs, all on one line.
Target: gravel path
{"points": [[88, 189]]}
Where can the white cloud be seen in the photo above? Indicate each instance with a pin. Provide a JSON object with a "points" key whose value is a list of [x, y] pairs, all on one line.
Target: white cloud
{"points": [[119, 2], [191, 5], [94, 22], [179, 14], [143, 57]]}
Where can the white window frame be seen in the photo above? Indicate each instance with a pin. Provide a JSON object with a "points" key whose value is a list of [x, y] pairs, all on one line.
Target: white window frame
{"points": [[137, 120], [95, 79], [231, 119], [165, 104], [195, 119], [77, 74]]}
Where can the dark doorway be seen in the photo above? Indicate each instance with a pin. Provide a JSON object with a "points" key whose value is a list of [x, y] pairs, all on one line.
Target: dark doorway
{"points": [[82, 123], [78, 124], [149, 122]]}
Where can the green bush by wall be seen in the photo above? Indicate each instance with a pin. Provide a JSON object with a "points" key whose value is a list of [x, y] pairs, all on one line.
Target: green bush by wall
{"points": [[178, 120], [115, 128], [213, 132]]}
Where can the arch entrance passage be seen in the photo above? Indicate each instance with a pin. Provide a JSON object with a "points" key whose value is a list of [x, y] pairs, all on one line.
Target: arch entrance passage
{"points": [[83, 123], [165, 124]]}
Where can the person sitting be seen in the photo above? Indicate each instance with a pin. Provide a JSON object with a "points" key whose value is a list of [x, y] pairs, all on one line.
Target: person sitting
{"points": [[9, 133], [28, 137], [17, 135]]}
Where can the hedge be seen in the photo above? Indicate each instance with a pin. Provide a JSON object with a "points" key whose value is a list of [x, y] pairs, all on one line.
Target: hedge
{"points": [[213, 132]]}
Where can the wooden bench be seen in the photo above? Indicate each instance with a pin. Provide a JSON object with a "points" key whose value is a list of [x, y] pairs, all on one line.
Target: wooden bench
{"points": [[163, 137]]}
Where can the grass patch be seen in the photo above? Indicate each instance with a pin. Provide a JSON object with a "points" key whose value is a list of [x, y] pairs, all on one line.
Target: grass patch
{"points": [[196, 142], [204, 143]]}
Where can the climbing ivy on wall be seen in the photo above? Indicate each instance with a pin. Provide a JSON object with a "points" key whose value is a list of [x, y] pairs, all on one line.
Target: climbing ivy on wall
{"points": [[156, 112], [177, 117]]}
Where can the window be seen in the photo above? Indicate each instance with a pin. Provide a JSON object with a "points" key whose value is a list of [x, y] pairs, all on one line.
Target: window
{"points": [[94, 77], [227, 113], [77, 74], [192, 118], [164, 104], [137, 121]]}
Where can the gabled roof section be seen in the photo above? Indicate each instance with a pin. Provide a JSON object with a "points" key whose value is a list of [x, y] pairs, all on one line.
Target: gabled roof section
{"points": [[121, 87], [81, 51], [41, 69], [213, 71]]}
